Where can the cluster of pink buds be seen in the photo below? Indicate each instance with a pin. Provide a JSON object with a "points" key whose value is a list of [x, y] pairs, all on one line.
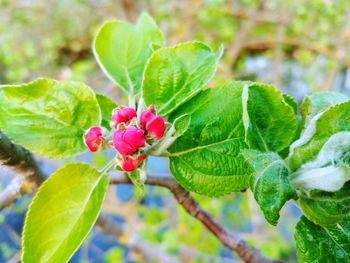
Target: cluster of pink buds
{"points": [[130, 137]]}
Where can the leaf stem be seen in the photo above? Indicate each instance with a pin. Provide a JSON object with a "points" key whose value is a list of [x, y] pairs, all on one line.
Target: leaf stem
{"points": [[108, 166], [140, 107], [132, 101]]}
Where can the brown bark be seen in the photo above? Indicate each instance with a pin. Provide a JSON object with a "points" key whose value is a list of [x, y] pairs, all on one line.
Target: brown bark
{"points": [[241, 247], [18, 159]]}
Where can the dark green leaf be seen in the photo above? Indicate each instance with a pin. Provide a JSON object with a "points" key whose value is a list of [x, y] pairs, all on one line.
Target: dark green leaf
{"points": [[319, 244], [291, 102], [206, 158], [270, 122], [269, 183], [325, 208]]}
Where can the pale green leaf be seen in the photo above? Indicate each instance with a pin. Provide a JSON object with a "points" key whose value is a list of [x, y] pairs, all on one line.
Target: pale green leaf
{"points": [[269, 182], [178, 127], [325, 208], [328, 171], [122, 50], [107, 106], [181, 124], [319, 244], [320, 128], [49, 117], [329, 178], [62, 213], [318, 102], [173, 75], [136, 179]]}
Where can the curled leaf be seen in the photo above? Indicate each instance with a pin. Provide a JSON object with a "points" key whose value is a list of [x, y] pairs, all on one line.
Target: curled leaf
{"points": [[329, 170]]}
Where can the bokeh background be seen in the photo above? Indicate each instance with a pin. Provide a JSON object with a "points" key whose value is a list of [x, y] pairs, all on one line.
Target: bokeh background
{"points": [[300, 46]]}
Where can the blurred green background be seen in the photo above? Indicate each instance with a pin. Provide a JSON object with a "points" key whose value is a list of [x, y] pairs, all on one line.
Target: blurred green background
{"points": [[300, 46]]}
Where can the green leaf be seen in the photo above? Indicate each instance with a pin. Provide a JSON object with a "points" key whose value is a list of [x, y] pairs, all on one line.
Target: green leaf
{"points": [[291, 102], [270, 122], [135, 177], [318, 102], [206, 159], [269, 183], [122, 50], [173, 75], [319, 244], [325, 208], [329, 178], [62, 213], [49, 117], [179, 127], [181, 124], [106, 106], [320, 128], [330, 170]]}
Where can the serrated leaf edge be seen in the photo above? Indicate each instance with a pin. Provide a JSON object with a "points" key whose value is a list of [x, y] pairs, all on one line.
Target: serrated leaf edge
{"points": [[42, 153], [218, 56]]}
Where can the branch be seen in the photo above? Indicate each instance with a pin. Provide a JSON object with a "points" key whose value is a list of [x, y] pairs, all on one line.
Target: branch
{"points": [[11, 193], [22, 162], [241, 247]]}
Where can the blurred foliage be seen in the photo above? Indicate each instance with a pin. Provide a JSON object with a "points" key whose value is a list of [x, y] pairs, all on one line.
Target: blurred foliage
{"points": [[298, 45]]}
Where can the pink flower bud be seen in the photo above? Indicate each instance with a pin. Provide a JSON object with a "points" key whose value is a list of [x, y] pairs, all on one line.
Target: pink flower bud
{"points": [[147, 115], [128, 141], [94, 138], [132, 163], [122, 115], [156, 127]]}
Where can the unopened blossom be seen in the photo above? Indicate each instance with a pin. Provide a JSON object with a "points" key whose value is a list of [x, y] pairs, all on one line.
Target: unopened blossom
{"points": [[122, 115], [147, 115], [130, 163], [156, 127], [94, 138], [128, 141], [153, 124]]}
